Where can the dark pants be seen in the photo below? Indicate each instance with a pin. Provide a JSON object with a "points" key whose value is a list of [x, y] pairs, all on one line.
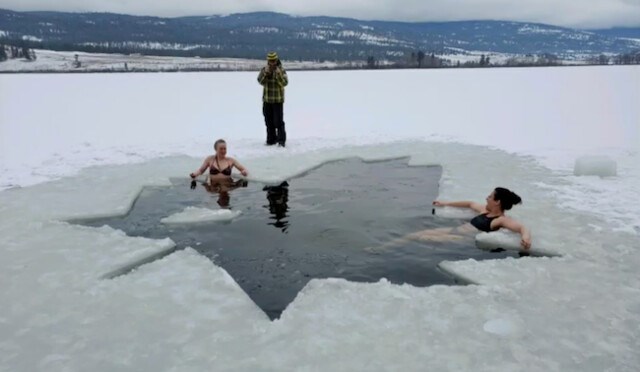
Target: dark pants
{"points": [[273, 119]]}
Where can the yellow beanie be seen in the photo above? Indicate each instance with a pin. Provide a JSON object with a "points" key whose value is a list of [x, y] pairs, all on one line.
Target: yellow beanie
{"points": [[273, 56]]}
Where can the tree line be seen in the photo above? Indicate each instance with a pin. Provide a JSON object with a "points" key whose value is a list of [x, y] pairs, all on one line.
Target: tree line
{"points": [[413, 59], [16, 52], [620, 59], [421, 59]]}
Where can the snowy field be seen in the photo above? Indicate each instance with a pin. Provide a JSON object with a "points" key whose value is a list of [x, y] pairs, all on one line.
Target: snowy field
{"points": [[84, 145], [54, 61]]}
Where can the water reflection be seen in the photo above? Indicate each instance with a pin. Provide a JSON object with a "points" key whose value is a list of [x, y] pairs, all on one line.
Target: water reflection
{"points": [[222, 188], [278, 196]]}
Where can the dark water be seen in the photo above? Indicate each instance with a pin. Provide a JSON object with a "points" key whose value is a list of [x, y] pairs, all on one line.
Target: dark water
{"points": [[315, 226]]}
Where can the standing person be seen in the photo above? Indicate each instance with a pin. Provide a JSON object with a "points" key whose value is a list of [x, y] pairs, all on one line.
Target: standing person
{"points": [[273, 78]]}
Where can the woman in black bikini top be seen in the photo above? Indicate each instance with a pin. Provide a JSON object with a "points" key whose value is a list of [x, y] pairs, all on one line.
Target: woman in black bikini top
{"points": [[216, 170], [482, 222], [215, 163], [491, 216]]}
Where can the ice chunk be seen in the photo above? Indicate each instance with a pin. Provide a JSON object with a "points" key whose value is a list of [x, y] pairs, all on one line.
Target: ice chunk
{"points": [[498, 239], [509, 241], [199, 215], [451, 212], [602, 166]]}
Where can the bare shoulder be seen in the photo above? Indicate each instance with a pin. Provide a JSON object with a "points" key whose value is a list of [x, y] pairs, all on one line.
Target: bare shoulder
{"points": [[478, 207], [209, 160], [508, 222], [501, 220]]}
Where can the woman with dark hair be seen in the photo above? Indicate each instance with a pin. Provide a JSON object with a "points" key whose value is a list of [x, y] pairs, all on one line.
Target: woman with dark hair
{"points": [[491, 217]]}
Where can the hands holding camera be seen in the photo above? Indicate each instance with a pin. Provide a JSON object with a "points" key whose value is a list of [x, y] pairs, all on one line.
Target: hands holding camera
{"points": [[272, 69]]}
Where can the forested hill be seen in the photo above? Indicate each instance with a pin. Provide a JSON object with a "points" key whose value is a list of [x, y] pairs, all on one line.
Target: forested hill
{"points": [[250, 35]]}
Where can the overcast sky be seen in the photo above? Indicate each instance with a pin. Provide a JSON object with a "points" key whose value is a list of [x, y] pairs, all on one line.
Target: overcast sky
{"points": [[573, 13]]}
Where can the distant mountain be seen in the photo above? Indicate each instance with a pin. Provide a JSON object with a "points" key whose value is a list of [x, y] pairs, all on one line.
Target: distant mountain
{"points": [[625, 32], [251, 35]]}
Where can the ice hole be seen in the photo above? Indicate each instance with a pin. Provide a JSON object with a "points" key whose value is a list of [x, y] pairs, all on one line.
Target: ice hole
{"points": [[333, 221]]}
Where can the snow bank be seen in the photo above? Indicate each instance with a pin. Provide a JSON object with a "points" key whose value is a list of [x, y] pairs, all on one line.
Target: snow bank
{"points": [[191, 215]]}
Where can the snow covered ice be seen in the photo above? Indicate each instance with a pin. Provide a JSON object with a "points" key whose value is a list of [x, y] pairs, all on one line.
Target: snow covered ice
{"points": [[507, 240], [192, 215], [64, 156]]}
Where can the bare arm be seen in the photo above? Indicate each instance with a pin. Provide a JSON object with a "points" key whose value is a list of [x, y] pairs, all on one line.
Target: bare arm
{"points": [[461, 204], [240, 167], [517, 227], [202, 168]]}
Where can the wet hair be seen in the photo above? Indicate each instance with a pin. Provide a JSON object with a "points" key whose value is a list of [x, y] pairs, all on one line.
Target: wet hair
{"points": [[506, 197], [215, 145]]}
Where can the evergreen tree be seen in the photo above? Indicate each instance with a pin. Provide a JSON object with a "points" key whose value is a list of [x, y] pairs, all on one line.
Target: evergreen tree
{"points": [[413, 59], [371, 62], [3, 53], [25, 53], [603, 59], [420, 57]]}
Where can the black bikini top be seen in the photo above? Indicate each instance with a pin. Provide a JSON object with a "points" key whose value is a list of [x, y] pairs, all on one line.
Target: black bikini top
{"points": [[214, 171], [482, 222]]}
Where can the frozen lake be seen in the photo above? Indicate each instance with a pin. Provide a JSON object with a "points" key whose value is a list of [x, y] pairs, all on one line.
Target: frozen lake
{"points": [[77, 146]]}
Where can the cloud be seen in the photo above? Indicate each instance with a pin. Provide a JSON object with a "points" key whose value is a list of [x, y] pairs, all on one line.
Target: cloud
{"points": [[572, 13]]}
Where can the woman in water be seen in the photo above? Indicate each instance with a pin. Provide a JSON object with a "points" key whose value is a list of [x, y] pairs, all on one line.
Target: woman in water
{"points": [[220, 166], [491, 217]]}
